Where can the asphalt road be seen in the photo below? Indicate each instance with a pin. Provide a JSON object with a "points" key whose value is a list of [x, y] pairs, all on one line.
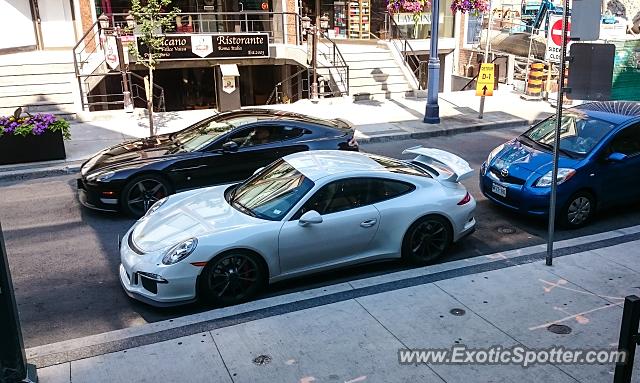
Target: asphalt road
{"points": [[64, 258]]}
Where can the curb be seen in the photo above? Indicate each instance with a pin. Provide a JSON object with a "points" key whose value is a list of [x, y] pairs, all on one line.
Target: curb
{"points": [[447, 132], [74, 166]]}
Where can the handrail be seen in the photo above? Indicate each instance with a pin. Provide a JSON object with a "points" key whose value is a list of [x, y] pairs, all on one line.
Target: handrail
{"points": [[413, 57], [279, 84], [337, 61], [160, 105]]}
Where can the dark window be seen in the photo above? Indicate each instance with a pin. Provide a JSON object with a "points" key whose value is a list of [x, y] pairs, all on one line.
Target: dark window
{"points": [[284, 133], [627, 141], [338, 196], [384, 189], [397, 166], [352, 193], [259, 135]]}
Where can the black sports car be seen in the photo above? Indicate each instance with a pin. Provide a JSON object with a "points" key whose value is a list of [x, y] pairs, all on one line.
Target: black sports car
{"points": [[225, 148]]}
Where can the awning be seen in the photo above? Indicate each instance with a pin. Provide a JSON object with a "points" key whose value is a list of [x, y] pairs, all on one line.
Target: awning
{"points": [[229, 70]]}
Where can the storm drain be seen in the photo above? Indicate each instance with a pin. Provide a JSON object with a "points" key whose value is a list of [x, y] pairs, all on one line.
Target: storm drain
{"points": [[261, 360], [457, 312], [506, 230], [559, 329]]}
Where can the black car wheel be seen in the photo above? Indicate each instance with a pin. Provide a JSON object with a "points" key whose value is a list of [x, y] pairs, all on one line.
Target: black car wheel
{"points": [[427, 239], [231, 278], [578, 211], [142, 192]]}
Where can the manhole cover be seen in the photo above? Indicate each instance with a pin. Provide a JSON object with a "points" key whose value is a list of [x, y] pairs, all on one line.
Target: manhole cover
{"points": [[506, 230], [559, 329], [261, 360], [457, 312]]}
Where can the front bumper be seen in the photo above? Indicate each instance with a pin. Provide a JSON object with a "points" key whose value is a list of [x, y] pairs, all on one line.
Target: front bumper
{"points": [[93, 198], [172, 285], [524, 199]]}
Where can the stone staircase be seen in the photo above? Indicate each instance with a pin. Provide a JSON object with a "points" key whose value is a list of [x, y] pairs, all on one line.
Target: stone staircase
{"points": [[41, 81], [374, 73]]}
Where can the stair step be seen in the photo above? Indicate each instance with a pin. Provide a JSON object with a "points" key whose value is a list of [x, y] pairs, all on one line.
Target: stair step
{"points": [[37, 99], [372, 64], [37, 79], [368, 72], [29, 89], [379, 88], [40, 68], [41, 108], [378, 96], [370, 56]]}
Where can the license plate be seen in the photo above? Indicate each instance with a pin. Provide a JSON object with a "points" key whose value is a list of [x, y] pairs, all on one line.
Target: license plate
{"points": [[499, 189]]}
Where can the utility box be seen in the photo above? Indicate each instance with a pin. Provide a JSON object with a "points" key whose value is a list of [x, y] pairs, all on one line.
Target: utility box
{"points": [[228, 87]]}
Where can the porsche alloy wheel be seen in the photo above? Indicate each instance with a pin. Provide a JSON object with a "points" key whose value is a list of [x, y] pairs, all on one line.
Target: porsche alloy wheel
{"points": [[426, 240], [142, 192], [231, 278]]}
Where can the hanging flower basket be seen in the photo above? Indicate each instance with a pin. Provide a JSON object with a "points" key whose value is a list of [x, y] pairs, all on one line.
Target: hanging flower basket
{"points": [[474, 7], [32, 138], [408, 6]]}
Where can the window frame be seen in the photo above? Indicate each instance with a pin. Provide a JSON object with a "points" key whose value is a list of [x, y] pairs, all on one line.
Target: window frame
{"points": [[609, 147]]}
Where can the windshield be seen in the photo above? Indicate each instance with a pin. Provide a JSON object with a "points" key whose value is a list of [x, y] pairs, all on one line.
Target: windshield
{"points": [[198, 137], [272, 193], [579, 133]]}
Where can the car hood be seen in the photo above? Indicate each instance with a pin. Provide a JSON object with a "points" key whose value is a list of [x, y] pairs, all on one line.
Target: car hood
{"points": [[132, 152], [191, 214], [521, 160]]}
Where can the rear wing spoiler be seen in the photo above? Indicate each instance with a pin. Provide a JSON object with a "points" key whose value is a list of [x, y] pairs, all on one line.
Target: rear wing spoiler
{"points": [[448, 166]]}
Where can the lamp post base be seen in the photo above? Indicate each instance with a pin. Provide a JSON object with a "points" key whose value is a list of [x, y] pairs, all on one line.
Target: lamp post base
{"points": [[432, 114]]}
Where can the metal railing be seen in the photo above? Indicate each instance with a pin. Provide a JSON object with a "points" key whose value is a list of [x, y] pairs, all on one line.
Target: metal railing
{"points": [[282, 27], [95, 100], [298, 86], [400, 42], [338, 68]]}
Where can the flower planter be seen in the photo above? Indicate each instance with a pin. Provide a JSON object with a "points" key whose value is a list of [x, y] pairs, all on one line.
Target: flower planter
{"points": [[31, 148]]}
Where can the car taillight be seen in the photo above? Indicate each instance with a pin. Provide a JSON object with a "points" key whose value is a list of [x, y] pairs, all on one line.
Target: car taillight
{"points": [[466, 199]]}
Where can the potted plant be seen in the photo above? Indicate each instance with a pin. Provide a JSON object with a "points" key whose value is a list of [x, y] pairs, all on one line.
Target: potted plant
{"points": [[32, 138], [474, 7]]}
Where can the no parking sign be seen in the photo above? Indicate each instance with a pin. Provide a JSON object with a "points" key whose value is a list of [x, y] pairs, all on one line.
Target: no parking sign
{"points": [[554, 40]]}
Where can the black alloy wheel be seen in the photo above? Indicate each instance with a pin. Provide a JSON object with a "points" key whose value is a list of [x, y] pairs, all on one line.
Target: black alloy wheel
{"points": [[231, 278], [142, 192], [578, 211], [427, 239]]}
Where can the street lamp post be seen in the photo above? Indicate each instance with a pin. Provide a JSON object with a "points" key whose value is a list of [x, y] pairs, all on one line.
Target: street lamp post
{"points": [[432, 113]]}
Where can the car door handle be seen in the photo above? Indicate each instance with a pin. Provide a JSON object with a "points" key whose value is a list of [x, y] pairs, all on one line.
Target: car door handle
{"points": [[369, 223]]}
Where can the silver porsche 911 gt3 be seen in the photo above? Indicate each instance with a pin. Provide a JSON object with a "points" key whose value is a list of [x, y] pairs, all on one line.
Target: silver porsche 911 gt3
{"points": [[304, 213]]}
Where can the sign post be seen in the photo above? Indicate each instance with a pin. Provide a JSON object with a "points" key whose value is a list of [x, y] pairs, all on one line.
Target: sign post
{"points": [[556, 142], [486, 59]]}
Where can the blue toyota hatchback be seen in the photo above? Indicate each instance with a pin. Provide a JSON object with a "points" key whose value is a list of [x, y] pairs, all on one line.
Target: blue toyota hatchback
{"points": [[599, 164]]}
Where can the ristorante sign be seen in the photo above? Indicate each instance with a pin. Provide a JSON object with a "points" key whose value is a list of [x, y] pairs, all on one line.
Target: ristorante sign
{"points": [[212, 46]]}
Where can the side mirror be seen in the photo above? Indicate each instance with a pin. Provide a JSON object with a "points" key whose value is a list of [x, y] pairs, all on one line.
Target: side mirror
{"points": [[258, 170], [229, 147], [309, 218], [616, 157]]}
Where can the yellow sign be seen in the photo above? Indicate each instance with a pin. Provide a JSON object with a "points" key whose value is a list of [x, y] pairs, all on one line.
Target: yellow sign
{"points": [[485, 80]]}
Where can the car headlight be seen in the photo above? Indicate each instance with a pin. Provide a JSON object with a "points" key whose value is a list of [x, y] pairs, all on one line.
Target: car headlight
{"points": [[180, 251], [563, 175], [156, 206], [100, 177]]}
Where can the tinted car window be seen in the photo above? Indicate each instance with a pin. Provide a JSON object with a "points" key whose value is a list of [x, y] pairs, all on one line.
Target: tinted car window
{"points": [[627, 141], [384, 189], [259, 135], [338, 196], [397, 166]]}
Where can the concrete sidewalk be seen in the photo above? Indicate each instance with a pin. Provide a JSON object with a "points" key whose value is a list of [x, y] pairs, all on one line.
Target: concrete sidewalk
{"points": [[375, 121], [351, 332]]}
